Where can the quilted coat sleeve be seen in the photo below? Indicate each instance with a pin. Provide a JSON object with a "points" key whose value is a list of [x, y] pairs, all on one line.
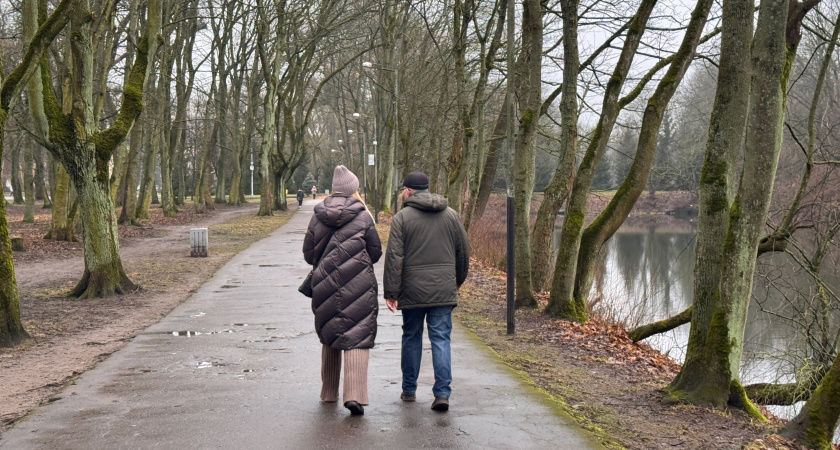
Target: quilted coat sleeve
{"points": [[374, 245], [309, 242], [392, 281]]}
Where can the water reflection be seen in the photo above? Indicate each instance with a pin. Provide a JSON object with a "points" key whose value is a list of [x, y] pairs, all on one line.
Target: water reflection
{"points": [[646, 273]]}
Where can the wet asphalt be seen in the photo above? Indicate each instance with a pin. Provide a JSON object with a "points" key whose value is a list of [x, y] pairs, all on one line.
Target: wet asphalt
{"points": [[237, 366]]}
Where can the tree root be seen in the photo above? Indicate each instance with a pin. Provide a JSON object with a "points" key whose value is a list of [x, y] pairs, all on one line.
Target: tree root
{"points": [[98, 286]]}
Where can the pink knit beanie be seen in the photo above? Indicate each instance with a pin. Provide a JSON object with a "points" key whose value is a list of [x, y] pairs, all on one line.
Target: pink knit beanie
{"points": [[344, 182]]}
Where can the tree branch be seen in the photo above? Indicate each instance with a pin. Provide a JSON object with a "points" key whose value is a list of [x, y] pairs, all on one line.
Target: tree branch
{"points": [[646, 331]]}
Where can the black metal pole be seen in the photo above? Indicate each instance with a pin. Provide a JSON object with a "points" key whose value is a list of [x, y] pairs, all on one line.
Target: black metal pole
{"points": [[511, 318]]}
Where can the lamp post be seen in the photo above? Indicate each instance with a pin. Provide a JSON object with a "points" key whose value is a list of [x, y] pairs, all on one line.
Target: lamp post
{"points": [[341, 157], [375, 185], [252, 174], [364, 166]]}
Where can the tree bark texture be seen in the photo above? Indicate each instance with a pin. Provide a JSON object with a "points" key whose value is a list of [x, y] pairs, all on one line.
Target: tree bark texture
{"points": [[271, 71], [85, 151], [29, 183], [529, 91], [60, 228], [11, 328], [17, 176], [697, 381], [491, 164], [763, 139], [132, 168], [562, 303], [464, 130], [144, 198], [555, 193], [41, 177], [815, 424], [479, 154]]}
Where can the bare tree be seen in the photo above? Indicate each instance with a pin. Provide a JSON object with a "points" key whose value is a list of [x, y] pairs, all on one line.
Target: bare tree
{"points": [[11, 85]]}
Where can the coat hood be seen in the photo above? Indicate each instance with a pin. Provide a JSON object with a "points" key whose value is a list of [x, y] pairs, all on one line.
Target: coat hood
{"points": [[336, 211], [426, 201]]}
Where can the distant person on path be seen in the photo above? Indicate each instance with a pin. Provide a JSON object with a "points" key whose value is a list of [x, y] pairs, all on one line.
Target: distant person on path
{"points": [[342, 244], [426, 262], [300, 196], [315, 191]]}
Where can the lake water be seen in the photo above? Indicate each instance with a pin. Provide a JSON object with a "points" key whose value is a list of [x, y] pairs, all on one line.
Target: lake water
{"points": [[645, 273]]}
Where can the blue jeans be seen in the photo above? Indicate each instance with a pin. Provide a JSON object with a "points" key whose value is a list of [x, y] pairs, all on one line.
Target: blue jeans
{"points": [[439, 322]]}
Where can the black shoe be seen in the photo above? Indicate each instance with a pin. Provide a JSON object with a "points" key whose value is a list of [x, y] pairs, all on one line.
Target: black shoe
{"points": [[441, 404], [355, 408], [406, 397]]}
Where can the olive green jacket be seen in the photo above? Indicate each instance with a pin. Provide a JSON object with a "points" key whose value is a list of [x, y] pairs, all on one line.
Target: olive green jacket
{"points": [[428, 254]]}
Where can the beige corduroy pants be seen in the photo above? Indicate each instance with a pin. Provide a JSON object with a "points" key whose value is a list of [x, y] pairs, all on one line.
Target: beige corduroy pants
{"points": [[355, 374]]}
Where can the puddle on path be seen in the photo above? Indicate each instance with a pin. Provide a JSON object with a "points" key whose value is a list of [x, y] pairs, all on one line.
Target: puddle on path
{"points": [[208, 364], [186, 333]]}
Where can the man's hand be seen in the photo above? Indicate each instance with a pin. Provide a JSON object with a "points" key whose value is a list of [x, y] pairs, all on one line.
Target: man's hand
{"points": [[392, 304]]}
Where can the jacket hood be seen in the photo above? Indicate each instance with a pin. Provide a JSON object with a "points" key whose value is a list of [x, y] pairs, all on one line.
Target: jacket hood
{"points": [[426, 201], [336, 211]]}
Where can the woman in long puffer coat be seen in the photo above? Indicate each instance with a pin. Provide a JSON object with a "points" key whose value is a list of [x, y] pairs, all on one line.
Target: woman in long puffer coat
{"points": [[342, 245]]}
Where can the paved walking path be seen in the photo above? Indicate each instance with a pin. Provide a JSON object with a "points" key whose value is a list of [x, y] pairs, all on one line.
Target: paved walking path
{"points": [[237, 366]]}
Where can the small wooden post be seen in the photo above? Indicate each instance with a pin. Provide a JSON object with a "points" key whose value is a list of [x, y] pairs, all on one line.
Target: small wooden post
{"points": [[17, 244], [198, 242]]}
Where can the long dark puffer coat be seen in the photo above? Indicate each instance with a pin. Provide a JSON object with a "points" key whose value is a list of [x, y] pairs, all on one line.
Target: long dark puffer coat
{"points": [[342, 243]]}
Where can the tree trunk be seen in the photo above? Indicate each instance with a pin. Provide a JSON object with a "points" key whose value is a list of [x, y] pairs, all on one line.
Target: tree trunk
{"points": [[11, 329], [117, 172], [146, 183], [60, 228], [815, 424], [725, 334], [464, 130], [29, 184], [646, 331], [132, 167], [41, 177], [153, 140], [529, 91], [491, 164], [104, 274], [558, 188], [86, 151], [622, 202], [561, 302], [17, 181], [697, 380]]}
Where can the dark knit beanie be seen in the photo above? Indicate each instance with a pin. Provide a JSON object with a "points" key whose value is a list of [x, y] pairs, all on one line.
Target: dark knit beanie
{"points": [[344, 182], [417, 181]]}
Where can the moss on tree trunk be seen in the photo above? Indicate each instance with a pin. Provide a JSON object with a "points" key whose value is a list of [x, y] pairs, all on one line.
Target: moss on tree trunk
{"points": [[11, 329], [104, 274], [815, 424], [561, 302]]}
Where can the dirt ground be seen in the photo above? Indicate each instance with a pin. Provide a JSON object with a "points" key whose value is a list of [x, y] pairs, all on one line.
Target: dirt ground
{"points": [[597, 375], [70, 336]]}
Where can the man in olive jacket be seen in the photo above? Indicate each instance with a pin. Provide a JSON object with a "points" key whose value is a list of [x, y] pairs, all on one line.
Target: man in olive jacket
{"points": [[426, 262]]}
